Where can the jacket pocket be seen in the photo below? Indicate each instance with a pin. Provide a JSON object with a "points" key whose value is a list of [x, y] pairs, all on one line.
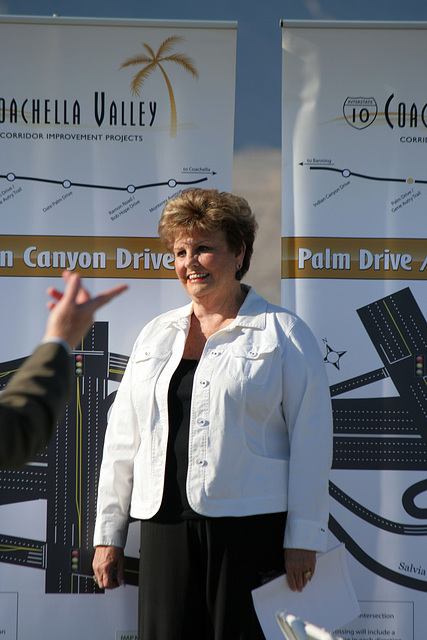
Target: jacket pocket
{"points": [[149, 359], [251, 363]]}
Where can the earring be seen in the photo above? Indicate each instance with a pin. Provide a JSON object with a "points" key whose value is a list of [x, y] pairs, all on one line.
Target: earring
{"points": [[239, 274]]}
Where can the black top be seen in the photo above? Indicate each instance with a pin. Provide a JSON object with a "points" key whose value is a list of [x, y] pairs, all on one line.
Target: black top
{"points": [[175, 505]]}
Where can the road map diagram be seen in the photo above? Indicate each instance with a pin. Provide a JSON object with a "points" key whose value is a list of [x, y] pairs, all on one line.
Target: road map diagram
{"points": [[386, 433], [66, 475]]}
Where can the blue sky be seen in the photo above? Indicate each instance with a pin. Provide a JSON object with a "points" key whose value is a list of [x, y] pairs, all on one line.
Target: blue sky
{"points": [[258, 83]]}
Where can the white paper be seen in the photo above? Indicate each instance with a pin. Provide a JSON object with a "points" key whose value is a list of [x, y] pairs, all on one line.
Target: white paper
{"points": [[327, 601]]}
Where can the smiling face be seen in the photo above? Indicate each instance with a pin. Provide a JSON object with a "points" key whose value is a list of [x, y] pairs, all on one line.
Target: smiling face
{"points": [[206, 267]]}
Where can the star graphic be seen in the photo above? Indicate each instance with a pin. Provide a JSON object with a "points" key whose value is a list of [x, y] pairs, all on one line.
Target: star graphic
{"points": [[333, 357]]}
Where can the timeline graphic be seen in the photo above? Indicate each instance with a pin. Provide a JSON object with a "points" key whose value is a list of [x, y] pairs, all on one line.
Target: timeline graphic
{"points": [[130, 188], [347, 173]]}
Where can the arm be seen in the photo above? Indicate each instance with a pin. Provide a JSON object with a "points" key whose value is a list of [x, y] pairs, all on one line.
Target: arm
{"points": [[33, 401], [32, 404], [308, 414], [115, 486]]}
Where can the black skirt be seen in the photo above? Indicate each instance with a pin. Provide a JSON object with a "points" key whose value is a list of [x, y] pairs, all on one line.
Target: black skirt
{"points": [[196, 576]]}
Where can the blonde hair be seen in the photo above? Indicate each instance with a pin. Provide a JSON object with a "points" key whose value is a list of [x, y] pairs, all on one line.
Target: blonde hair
{"points": [[208, 210]]}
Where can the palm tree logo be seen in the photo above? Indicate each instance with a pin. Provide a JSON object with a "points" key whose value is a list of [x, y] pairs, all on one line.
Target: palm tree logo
{"points": [[152, 61]]}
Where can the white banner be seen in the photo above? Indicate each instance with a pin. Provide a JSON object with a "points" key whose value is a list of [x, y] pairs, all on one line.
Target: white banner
{"points": [[354, 265], [101, 122]]}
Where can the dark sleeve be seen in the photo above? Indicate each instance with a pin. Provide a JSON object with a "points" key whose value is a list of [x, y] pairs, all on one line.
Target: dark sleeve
{"points": [[32, 403]]}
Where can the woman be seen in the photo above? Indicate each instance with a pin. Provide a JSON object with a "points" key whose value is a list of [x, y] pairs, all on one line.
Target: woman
{"points": [[219, 440]]}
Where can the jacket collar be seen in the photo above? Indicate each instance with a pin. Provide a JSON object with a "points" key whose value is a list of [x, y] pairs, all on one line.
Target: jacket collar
{"points": [[251, 314]]}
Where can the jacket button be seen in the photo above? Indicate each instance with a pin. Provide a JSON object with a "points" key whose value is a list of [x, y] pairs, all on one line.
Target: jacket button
{"points": [[200, 462], [201, 422], [203, 383]]}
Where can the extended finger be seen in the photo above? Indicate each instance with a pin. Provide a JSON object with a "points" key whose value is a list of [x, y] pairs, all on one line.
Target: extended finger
{"points": [[54, 293], [106, 296], [72, 287]]}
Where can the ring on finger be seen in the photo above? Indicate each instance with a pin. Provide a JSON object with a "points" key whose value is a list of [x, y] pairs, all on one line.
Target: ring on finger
{"points": [[308, 574]]}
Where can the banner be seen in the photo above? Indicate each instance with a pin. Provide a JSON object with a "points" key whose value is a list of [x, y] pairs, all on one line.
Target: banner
{"points": [[354, 266], [101, 123]]}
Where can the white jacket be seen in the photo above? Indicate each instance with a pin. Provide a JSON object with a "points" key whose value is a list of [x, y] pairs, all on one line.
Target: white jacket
{"points": [[260, 436]]}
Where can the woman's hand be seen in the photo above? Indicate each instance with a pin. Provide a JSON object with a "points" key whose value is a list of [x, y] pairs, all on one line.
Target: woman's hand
{"points": [[108, 567], [300, 565]]}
